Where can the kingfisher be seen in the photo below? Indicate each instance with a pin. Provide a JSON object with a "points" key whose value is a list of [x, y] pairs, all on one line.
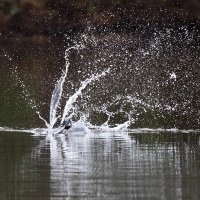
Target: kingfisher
{"points": [[67, 123]]}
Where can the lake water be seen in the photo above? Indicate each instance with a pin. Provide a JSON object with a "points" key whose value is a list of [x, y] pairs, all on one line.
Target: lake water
{"points": [[151, 87], [100, 165]]}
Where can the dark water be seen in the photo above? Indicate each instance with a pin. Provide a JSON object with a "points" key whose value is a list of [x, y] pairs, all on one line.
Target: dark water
{"points": [[162, 165], [154, 81]]}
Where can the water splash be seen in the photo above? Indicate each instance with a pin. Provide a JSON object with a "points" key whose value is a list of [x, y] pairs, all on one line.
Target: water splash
{"points": [[57, 92], [56, 96], [136, 92], [150, 82], [72, 99]]}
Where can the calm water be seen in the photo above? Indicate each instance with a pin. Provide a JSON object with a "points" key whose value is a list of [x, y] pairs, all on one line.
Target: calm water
{"points": [[154, 82]]}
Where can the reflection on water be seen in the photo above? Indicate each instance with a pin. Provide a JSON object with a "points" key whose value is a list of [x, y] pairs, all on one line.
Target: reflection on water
{"points": [[24, 168], [97, 165]]}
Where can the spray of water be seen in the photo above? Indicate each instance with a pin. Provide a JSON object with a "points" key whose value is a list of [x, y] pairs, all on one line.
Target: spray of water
{"points": [[137, 89], [72, 99], [150, 82], [56, 96], [58, 91]]}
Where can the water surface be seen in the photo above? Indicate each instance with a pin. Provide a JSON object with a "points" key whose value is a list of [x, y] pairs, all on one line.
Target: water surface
{"points": [[100, 165]]}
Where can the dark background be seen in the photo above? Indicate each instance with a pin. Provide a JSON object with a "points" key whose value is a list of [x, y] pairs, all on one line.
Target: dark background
{"points": [[36, 18]]}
